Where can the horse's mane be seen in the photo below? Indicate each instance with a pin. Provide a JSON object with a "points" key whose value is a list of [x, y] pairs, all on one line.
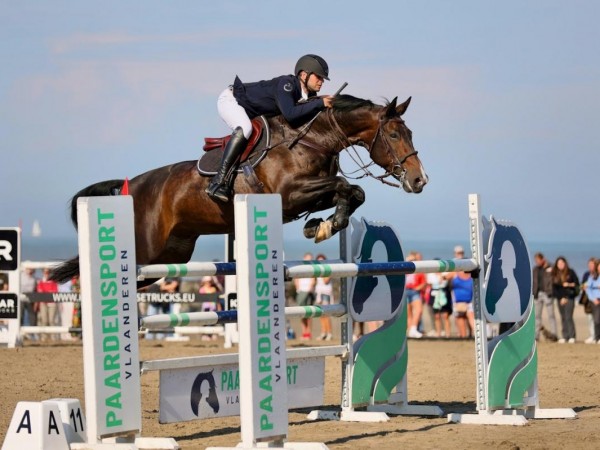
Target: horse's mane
{"points": [[346, 102]]}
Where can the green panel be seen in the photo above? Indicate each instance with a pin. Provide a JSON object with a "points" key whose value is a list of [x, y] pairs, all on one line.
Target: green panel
{"points": [[508, 354], [523, 382], [390, 377], [376, 349]]}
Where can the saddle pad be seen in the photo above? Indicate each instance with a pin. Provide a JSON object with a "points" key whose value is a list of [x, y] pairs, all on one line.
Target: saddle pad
{"points": [[210, 161]]}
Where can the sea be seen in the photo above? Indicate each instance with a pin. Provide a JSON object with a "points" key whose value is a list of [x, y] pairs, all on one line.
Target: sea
{"points": [[212, 248]]}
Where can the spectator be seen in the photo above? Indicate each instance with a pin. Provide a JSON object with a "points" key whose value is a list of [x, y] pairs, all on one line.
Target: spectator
{"points": [[46, 311], [440, 303], [462, 295], [324, 296], [565, 286], [144, 307], [415, 283], [166, 286], [590, 299], [427, 302], [305, 296], [76, 287], [28, 285], [208, 286], [189, 285], [3, 281], [543, 298], [65, 310]]}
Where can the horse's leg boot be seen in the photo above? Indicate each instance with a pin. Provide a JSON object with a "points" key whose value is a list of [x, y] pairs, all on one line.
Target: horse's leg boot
{"points": [[219, 187]]}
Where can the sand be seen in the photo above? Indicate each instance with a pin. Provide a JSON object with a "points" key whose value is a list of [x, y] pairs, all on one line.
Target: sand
{"points": [[441, 372]]}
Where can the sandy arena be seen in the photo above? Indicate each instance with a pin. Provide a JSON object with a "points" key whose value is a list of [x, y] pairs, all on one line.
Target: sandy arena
{"points": [[441, 372]]}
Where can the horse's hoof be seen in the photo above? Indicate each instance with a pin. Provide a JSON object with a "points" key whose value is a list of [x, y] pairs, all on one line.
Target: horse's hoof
{"points": [[311, 227], [324, 231]]}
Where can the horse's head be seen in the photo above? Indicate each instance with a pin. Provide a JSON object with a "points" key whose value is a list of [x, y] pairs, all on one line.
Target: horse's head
{"points": [[392, 148]]}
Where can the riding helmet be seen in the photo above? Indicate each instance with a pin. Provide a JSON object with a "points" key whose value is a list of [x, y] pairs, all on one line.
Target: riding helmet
{"points": [[313, 64]]}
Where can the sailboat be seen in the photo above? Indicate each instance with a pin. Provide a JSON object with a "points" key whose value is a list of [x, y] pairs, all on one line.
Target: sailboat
{"points": [[36, 230]]}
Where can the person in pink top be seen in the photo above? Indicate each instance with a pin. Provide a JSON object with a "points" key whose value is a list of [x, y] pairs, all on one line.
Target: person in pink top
{"points": [[415, 284], [46, 311]]}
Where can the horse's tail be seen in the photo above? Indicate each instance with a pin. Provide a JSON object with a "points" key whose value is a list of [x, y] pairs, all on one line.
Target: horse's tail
{"points": [[110, 187], [68, 269]]}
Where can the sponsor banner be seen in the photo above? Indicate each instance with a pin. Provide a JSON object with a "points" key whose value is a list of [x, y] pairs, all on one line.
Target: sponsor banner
{"points": [[142, 297], [9, 305], [214, 391], [9, 249]]}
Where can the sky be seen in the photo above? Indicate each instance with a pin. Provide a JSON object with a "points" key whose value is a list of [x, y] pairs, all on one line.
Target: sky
{"points": [[505, 99]]}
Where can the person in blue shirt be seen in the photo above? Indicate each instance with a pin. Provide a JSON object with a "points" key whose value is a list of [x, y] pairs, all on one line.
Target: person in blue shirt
{"points": [[592, 289], [287, 95]]}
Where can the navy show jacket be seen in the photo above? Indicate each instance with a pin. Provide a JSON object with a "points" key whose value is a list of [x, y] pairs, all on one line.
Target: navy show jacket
{"points": [[277, 96]]}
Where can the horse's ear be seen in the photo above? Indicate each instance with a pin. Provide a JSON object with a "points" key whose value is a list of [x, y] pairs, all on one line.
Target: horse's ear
{"points": [[401, 109], [391, 109]]}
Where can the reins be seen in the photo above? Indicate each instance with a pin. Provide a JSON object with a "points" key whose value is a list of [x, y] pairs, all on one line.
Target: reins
{"points": [[364, 167]]}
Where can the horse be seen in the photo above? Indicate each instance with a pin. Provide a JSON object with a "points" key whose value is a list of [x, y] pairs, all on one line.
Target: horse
{"points": [[172, 210]]}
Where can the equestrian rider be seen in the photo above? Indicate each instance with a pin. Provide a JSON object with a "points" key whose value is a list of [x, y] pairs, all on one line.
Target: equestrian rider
{"points": [[286, 95]]}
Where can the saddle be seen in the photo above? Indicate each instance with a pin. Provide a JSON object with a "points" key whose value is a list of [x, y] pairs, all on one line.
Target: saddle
{"points": [[255, 150]]}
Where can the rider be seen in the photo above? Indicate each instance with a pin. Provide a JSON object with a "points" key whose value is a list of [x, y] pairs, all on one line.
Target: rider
{"points": [[286, 95]]}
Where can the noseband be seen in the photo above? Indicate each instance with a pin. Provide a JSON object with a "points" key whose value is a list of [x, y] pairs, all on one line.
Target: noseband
{"points": [[398, 170]]}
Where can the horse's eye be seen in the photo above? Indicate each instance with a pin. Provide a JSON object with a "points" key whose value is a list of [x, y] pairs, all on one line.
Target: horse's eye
{"points": [[394, 135]]}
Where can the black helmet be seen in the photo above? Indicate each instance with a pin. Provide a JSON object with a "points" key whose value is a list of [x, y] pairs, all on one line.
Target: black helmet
{"points": [[313, 64]]}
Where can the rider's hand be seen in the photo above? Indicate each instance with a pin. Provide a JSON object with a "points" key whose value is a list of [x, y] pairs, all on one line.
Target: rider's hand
{"points": [[328, 101]]}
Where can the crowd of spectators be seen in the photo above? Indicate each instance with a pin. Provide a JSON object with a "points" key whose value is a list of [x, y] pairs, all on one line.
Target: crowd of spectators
{"points": [[439, 305]]}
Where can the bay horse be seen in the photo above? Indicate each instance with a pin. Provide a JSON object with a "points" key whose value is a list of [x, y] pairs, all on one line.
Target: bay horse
{"points": [[172, 210]]}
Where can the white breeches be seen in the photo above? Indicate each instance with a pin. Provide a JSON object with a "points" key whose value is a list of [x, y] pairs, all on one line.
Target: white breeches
{"points": [[232, 113]]}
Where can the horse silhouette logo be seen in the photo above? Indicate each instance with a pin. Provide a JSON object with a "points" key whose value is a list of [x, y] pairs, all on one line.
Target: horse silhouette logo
{"points": [[507, 281], [376, 297]]}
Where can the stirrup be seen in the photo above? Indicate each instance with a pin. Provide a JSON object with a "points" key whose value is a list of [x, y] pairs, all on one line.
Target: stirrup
{"points": [[218, 191], [221, 193]]}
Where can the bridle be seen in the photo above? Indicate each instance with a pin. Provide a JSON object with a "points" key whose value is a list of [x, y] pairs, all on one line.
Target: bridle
{"points": [[398, 170]]}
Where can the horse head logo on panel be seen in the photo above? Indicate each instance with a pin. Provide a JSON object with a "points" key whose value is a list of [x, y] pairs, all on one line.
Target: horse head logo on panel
{"points": [[507, 280], [375, 297]]}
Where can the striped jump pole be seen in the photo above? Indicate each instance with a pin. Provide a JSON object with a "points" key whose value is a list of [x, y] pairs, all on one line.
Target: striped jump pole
{"points": [[346, 270], [304, 269], [160, 321], [192, 269], [200, 269]]}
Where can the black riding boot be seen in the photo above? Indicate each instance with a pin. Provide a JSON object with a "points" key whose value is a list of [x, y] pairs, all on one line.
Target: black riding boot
{"points": [[220, 186]]}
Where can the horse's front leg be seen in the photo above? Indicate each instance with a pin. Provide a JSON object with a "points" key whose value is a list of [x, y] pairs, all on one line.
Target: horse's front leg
{"points": [[323, 193], [345, 207]]}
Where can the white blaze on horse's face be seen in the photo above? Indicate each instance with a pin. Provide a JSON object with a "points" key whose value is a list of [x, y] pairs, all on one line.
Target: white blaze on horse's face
{"points": [[416, 185]]}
